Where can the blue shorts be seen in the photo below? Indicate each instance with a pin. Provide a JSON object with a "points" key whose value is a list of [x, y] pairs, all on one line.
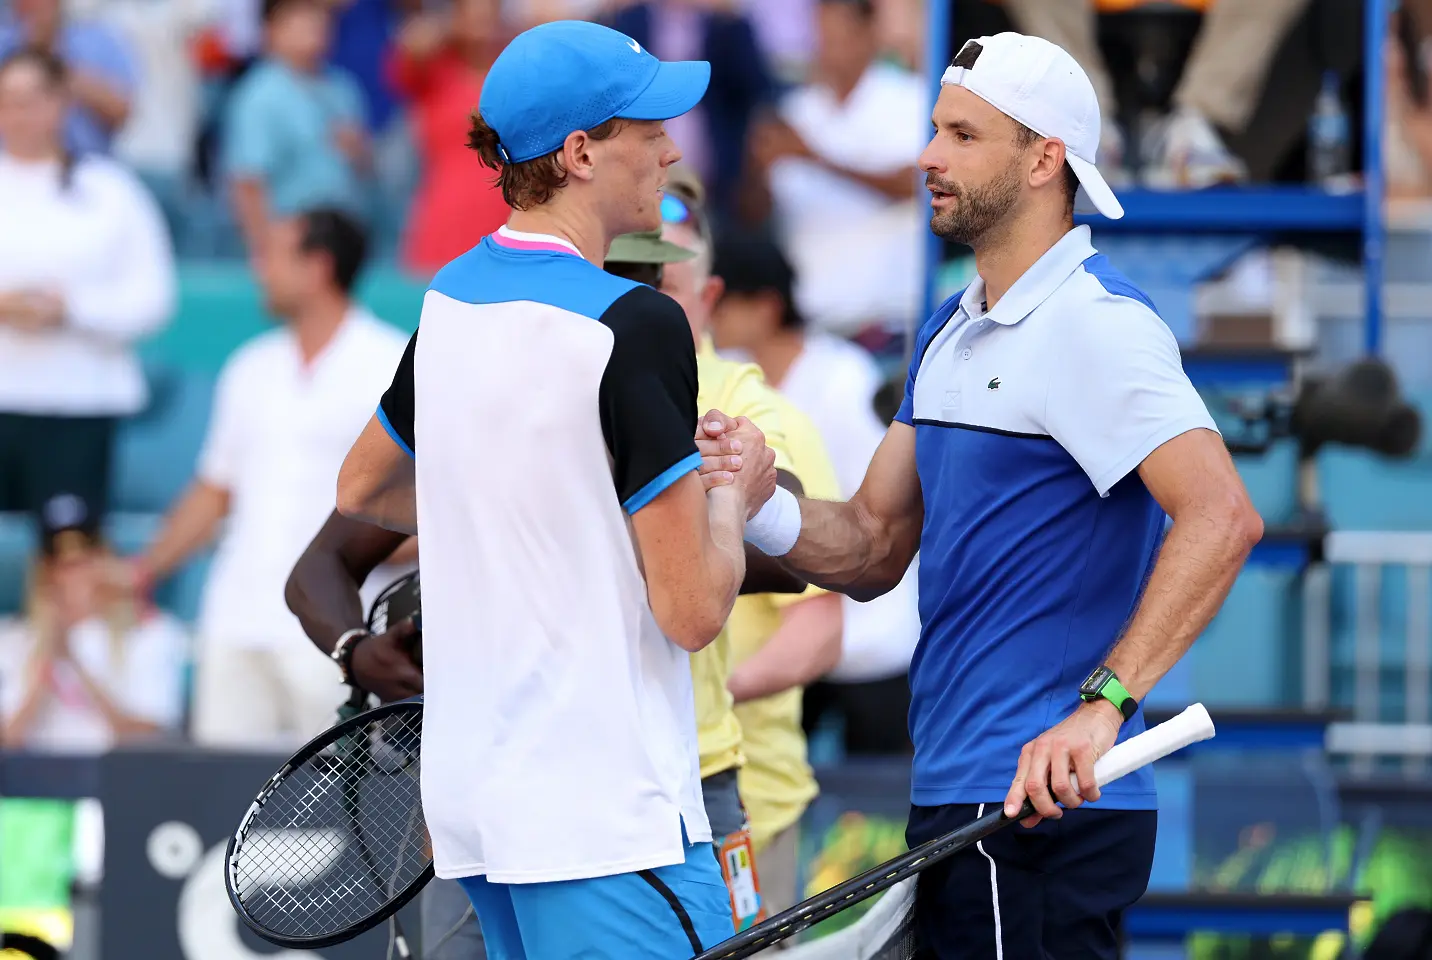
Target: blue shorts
{"points": [[667, 913]]}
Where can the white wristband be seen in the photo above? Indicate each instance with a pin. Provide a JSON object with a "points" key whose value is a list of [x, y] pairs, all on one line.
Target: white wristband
{"points": [[777, 525]]}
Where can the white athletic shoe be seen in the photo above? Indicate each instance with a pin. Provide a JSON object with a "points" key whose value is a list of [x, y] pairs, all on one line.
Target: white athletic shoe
{"points": [[1187, 153]]}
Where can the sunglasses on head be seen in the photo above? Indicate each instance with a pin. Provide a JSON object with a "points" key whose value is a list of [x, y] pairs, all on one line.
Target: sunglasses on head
{"points": [[674, 209]]}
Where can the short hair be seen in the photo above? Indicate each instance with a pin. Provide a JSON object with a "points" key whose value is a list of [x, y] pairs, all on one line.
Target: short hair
{"points": [[530, 183], [1024, 138], [273, 8], [752, 263], [334, 232], [865, 8]]}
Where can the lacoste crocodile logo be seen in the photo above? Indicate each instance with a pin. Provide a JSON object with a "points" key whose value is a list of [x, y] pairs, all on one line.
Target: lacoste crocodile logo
{"points": [[994, 384]]}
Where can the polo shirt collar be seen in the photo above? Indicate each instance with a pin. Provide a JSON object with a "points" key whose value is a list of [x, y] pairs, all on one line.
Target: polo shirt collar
{"points": [[1037, 283], [541, 242]]}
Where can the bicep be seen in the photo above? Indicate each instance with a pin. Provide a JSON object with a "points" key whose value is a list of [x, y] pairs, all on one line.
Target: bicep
{"points": [[1192, 469], [890, 492], [375, 470]]}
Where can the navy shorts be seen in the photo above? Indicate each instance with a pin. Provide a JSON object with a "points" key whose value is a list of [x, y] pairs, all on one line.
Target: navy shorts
{"points": [[1057, 891]]}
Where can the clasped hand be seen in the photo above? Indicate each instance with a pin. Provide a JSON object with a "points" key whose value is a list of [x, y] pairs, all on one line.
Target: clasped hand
{"points": [[734, 452]]}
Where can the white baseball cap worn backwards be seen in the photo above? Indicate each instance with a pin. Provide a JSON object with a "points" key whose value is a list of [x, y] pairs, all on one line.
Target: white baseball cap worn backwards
{"points": [[1040, 85]]}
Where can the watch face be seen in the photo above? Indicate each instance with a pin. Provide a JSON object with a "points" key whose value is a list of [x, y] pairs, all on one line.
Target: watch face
{"points": [[1095, 682]]}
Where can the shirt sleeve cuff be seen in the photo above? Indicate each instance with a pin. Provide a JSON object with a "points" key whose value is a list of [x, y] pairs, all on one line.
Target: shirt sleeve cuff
{"points": [[388, 427], [656, 486], [1105, 481]]}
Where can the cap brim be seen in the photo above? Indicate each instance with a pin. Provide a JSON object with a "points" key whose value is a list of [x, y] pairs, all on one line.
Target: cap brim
{"points": [[1095, 188], [676, 89], [632, 248]]}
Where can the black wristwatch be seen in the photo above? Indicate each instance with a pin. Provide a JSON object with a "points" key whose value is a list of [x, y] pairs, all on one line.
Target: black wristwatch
{"points": [[343, 651], [1103, 683]]}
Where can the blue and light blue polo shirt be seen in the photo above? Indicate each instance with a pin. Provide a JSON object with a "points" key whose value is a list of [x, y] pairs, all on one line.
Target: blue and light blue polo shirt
{"points": [[1030, 421]]}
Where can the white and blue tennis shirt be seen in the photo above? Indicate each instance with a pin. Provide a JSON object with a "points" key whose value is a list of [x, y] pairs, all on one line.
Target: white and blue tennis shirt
{"points": [[546, 402], [1030, 421]]}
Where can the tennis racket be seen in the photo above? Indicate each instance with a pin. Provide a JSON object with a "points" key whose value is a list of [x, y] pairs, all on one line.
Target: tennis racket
{"points": [[335, 842], [896, 939]]}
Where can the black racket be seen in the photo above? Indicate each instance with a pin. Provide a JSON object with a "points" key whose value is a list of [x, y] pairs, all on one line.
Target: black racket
{"points": [[398, 601], [335, 843]]}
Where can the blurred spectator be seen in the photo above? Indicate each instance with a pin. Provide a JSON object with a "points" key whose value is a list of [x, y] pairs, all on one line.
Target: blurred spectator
{"points": [[294, 134], [712, 137], [839, 160], [1218, 90], [786, 34], [522, 14], [834, 383], [287, 407], [158, 139], [439, 66], [86, 667], [362, 37], [86, 269], [101, 70]]}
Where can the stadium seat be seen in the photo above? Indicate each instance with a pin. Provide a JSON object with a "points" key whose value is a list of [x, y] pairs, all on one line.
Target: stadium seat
{"points": [[155, 452]]}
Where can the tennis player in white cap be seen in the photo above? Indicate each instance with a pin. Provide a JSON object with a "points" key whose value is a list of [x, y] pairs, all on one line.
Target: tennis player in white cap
{"points": [[1047, 433]]}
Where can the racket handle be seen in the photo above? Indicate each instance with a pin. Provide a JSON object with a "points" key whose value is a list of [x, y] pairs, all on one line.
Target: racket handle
{"points": [[1190, 726]]}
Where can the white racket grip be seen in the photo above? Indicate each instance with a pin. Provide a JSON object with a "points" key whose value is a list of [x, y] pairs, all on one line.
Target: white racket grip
{"points": [[1190, 726]]}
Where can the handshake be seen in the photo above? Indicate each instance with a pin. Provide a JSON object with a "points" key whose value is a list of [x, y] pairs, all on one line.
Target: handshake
{"points": [[734, 453]]}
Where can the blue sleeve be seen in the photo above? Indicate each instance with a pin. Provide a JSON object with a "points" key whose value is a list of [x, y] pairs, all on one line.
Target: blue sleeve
{"points": [[106, 54], [923, 339], [249, 144], [348, 97]]}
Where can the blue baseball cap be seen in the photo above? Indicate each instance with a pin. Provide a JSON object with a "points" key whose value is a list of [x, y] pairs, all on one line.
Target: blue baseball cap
{"points": [[571, 75]]}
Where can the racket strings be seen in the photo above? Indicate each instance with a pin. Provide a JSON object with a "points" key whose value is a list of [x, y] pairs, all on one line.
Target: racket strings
{"points": [[339, 835]]}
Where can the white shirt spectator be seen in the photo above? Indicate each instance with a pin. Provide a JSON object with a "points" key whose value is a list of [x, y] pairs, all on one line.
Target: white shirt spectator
{"points": [[164, 116], [99, 242], [277, 437], [857, 254], [142, 672]]}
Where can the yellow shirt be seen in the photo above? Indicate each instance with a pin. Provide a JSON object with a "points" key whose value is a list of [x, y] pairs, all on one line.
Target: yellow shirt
{"points": [[776, 781], [737, 390]]}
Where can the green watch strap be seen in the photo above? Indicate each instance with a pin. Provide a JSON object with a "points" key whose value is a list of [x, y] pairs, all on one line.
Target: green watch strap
{"points": [[1113, 691]]}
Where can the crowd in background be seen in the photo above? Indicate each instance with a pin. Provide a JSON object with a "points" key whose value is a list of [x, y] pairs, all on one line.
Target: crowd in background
{"points": [[308, 137]]}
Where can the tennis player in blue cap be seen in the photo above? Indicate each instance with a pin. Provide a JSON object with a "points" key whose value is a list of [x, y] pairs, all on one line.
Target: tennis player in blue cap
{"points": [[540, 430]]}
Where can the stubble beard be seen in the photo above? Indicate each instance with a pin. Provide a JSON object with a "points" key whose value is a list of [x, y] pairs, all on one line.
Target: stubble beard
{"points": [[977, 210]]}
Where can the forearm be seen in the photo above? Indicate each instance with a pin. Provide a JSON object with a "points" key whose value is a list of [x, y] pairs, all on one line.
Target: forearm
{"points": [[846, 548], [103, 100], [325, 598], [803, 649], [123, 725], [189, 527], [1197, 565], [17, 728], [726, 559], [250, 210], [899, 185]]}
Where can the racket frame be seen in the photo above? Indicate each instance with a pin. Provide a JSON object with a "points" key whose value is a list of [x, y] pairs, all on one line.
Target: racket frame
{"points": [[323, 741]]}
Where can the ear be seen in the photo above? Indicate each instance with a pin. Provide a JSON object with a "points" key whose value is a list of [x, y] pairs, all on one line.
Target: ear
{"points": [[1049, 163], [577, 156], [712, 293]]}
